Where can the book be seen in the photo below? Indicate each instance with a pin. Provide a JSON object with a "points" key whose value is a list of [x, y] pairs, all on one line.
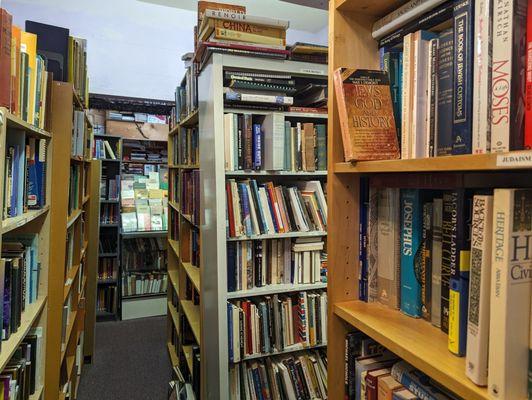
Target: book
{"points": [[528, 89], [386, 386], [426, 261], [463, 14], [508, 74], [366, 114], [479, 290], [511, 289], [373, 245], [411, 229], [274, 143], [28, 45], [445, 91], [437, 221], [407, 97], [416, 382], [5, 58], [393, 64], [243, 17], [482, 77]]}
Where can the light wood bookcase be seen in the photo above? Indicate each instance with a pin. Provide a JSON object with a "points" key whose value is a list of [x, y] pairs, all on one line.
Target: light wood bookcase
{"points": [[417, 341], [32, 221], [63, 363]]}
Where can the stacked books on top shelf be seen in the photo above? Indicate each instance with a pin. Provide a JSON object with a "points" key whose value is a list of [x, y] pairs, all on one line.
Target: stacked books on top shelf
{"points": [[227, 28], [272, 142], [456, 74], [144, 202], [186, 94], [104, 149], [456, 258], [24, 79], [25, 176], [255, 208]]}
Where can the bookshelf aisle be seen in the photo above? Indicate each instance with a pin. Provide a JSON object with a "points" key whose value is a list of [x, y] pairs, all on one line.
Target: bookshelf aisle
{"points": [[236, 230], [474, 301], [107, 148], [75, 233]]}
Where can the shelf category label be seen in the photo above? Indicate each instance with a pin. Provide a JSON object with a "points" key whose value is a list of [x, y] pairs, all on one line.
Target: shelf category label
{"points": [[515, 159]]}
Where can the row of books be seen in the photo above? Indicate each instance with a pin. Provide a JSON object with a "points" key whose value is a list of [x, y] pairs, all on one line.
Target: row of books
{"points": [[79, 134], [186, 147], [109, 185], [173, 226], [276, 323], [145, 218], [190, 194], [135, 283], [269, 142], [372, 372], [107, 243], [255, 208], [25, 176], [103, 150], [257, 263], [23, 376], [107, 268], [144, 254], [109, 213], [300, 376], [24, 80], [114, 115], [20, 279], [106, 299], [456, 258]]}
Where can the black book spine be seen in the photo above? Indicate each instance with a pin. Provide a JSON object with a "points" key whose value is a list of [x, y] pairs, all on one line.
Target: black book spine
{"points": [[258, 263], [433, 95], [240, 141], [248, 142], [449, 251], [426, 262]]}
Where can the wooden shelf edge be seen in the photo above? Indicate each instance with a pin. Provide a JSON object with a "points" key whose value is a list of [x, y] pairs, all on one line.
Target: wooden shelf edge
{"points": [[190, 120], [18, 123], [187, 351], [174, 245], [38, 393], [414, 340], [70, 329], [172, 354], [174, 280], [192, 313], [174, 314], [73, 217], [193, 274], [12, 223], [285, 351], [70, 279], [272, 289]]}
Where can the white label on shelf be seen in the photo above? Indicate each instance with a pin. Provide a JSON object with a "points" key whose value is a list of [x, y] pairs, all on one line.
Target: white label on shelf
{"points": [[515, 159], [312, 71]]}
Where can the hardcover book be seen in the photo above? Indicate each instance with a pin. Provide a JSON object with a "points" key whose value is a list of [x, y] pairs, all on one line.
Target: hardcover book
{"points": [[445, 92], [435, 308], [274, 141], [511, 289], [366, 114], [528, 99], [373, 244], [5, 58], [425, 273], [411, 229]]}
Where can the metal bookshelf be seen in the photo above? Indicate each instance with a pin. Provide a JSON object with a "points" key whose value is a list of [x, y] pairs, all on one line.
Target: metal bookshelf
{"points": [[213, 274]]}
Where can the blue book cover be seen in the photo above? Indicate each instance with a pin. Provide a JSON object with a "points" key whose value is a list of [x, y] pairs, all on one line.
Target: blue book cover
{"points": [[246, 215], [445, 92], [36, 175], [7, 301], [363, 240], [463, 15], [258, 206], [230, 330], [256, 382], [393, 64], [257, 146], [271, 209], [411, 231]]}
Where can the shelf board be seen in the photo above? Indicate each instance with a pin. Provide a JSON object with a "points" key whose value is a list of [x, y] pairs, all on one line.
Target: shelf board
{"points": [[291, 349], [414, 340], [174, 245], [173, 166], [275, 173], [174, 130], [107, 281], [190, 120], [175, 315], [192, 312], [193, 273], [368, 7], [138, 234], [103, 201], [77, 99], [188, 218], [28, 318], [108, 160], [279, 236], [188, 166], [467, 162], [70, 280], [187, 352], [85, 199], [38, 393], [174, 205], [14, 122], [84, 248], [289, 114], [172, 354], [142, 296], [273, 289], [144, 162], [174, 279], [12, 223], [70, 328], [73, 217]]}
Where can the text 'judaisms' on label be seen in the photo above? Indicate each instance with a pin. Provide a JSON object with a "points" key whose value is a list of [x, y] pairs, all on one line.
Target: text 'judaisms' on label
{"points": [[516, 159]]}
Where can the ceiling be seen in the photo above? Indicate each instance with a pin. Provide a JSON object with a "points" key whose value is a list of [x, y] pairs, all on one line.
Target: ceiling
{"points": [[310, 18]]}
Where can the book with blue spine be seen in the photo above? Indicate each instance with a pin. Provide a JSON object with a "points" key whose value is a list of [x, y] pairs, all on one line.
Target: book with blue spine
{"points": [[257, 147], [393, 64], [411, 230], [230, 330], [36, 169], [444, 105], [256, 199], [246, 214], [464, 17]]}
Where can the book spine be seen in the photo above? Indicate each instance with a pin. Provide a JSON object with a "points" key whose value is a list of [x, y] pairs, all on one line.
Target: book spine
{"points": [[229, 34], [372, 252], [426, 262], [445, 92], [240, 141], [363, 240], [5, 58], [482, 77], [410, 246], [321, 147], [248, 142], [511, 289], [448, 254], [393, 64], [228, 15], [479, 291], [463, 15], [257, 147], [433, 97], [437, 211], [406, 110], [528, 90]]}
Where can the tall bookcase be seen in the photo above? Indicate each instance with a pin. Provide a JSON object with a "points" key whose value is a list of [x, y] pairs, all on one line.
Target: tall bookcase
{"points": [[213, 274], [75, 237], [415, 340], [29, 222]]}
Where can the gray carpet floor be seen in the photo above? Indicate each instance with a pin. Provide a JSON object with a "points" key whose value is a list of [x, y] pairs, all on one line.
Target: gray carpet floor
{"points": [[130, 362]]}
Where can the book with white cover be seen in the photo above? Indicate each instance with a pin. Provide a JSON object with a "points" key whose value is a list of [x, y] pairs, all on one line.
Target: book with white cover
{"points": [[250, 19], [388, 251], [273, 126], [482, 77], [479, 290], [406, 104], [511, 288]]}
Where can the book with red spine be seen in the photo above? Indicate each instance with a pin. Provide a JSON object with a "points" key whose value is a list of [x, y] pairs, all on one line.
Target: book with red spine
{"points": [[230, 211], [5, 58], [275, 207], [528, 98]]}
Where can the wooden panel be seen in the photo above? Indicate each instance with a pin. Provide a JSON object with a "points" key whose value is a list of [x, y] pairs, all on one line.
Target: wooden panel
{"points": [[415, 340], [137, 131], [375, 8]]}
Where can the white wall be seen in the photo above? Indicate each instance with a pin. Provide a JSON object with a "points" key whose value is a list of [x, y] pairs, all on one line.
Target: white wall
{"points": [[134, 47]]}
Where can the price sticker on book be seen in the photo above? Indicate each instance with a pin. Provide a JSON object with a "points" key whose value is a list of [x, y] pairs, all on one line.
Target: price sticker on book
{"points": [[516, 159]]}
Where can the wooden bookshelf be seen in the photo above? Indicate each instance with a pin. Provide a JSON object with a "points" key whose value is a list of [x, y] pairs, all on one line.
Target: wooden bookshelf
{"points": [[69, 286], [417, 341]]}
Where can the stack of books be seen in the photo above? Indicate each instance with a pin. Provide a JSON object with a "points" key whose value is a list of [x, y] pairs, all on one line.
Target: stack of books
{"points": [[265, 208], [103, 150], [309, 52], [455, 258]]}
